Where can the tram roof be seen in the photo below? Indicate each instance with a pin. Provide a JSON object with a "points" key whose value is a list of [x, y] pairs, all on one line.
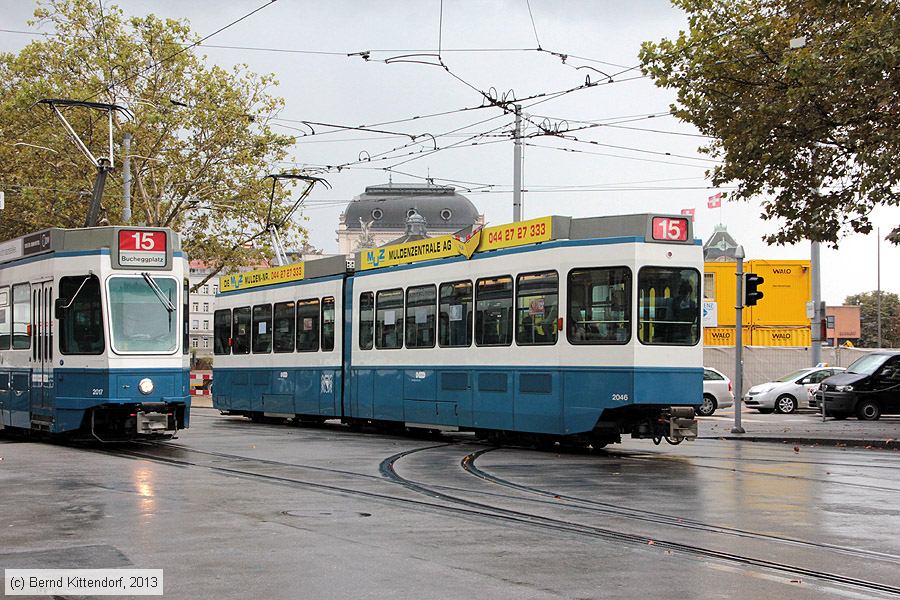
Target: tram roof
{"points": [[57, 239], [646, 227]]}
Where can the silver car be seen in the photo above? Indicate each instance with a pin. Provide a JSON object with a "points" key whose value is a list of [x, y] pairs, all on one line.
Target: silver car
{"points": [[787, 394], [717, 392]]}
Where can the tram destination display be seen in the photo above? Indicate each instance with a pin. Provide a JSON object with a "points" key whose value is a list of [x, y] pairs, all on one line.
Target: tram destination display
{"points": [[142, 249]]}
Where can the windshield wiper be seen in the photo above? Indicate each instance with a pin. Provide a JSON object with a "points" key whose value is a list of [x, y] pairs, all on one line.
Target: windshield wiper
{"points": [[159, 293]]}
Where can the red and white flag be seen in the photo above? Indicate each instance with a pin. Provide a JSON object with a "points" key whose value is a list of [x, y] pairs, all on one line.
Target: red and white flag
{"points": [[688, 212], [714, 201]]}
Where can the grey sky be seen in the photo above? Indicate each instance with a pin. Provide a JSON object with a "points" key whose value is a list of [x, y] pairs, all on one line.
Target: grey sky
{"points": [[351, 91]]}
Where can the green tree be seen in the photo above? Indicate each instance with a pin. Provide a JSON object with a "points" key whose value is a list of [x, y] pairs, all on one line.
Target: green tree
{"points": [[868, 317], [202, 140], [799, 96]]}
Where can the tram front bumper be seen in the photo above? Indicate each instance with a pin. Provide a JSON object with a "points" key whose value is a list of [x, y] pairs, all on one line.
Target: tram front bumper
{"points": [[682, 423], [154, 423]]}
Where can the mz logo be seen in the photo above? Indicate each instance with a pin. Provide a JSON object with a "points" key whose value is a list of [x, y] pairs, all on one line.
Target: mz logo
{"points": [[781, 271], [237, 281], [370, 256]]}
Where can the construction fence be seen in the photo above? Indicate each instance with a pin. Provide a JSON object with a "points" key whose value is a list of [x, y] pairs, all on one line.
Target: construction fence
{"points": [[766, 363]]}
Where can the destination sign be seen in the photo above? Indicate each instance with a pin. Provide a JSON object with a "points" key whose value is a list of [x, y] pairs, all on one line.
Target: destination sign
{"points": [[260, 277], [141, 248]]}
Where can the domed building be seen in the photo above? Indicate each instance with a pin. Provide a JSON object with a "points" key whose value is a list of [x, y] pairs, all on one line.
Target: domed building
{"points": [[380, 215]]}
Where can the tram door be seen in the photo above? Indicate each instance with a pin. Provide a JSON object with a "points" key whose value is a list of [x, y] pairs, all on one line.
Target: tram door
{"points": [[42, 383]]}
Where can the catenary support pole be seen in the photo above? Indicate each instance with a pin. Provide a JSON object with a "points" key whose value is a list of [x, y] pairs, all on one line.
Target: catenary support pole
{"points": [[126, 178], [738, 340], [878, 279], [517, 167]]}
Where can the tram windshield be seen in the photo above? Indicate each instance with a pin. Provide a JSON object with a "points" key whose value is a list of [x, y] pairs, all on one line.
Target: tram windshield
{"points": [[141, 320], [669, 306]]}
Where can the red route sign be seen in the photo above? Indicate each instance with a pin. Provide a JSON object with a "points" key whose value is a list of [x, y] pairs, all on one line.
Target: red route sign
{"points": [[142, 248], [670, 229]]}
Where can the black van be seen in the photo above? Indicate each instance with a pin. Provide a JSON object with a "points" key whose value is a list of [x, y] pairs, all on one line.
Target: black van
{"points": [[869, 388]]}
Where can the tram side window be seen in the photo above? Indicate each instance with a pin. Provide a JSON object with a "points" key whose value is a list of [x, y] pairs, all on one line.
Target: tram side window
{"points": [[366, 320], [308, 325], [5, 318], [493, 311], [537, 308], [283, 327], [599, 306], [455, 318], [669, 306], [81, 324], [420, 308], [262, 329], [389, 319], [327, 324], [21, 312], [222, 332], [240, 330]]}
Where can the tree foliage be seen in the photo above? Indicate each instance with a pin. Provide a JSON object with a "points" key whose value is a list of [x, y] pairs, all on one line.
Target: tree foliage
{"points": [[868, 317], [813, 130], [201, 145]]}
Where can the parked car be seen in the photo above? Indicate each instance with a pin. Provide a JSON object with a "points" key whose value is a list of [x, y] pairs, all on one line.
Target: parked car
{"points": [[869, 388], [717, 392], [787, 394]]}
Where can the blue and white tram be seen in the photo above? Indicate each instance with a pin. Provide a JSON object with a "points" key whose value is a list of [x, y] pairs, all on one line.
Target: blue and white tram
{"points": [[557, 329], [93, 334], [279, 347]]}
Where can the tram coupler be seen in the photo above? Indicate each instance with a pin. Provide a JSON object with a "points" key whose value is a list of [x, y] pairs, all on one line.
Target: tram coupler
{"points": [[682, 423]]}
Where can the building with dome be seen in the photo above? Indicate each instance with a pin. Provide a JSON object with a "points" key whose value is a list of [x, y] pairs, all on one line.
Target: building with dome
{"points": [[380, 215]]}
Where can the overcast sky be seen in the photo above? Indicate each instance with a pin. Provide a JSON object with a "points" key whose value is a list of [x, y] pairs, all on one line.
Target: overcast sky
{"points": [[629, 173]]}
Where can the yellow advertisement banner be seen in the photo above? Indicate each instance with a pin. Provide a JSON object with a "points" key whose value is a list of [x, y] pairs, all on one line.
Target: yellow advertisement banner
{"points": [[250, 279], [516, 234], [401, 254], [489, 238]]}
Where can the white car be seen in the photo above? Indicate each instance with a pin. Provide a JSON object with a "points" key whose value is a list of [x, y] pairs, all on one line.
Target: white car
{"points": [[717, 392], [787, 394]]}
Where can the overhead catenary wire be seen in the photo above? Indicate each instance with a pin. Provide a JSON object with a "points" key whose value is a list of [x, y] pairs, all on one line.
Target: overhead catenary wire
{"points": [[181, 50]]}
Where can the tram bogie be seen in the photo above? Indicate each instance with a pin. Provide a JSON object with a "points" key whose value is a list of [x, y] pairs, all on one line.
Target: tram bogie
{"points": [[557, 330]]}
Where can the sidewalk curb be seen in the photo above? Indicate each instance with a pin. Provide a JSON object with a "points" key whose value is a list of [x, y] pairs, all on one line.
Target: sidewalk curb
{"points": [[880, 444]]}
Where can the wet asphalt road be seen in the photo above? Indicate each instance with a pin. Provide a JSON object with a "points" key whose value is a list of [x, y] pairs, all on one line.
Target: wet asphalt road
{"points": [[233, 509]]}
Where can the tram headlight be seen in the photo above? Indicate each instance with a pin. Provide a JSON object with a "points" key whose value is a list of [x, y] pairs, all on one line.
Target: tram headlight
{"points": [[146, 386]]}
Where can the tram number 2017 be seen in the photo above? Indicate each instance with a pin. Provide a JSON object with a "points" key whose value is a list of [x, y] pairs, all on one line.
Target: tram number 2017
{"points": [[97, 392], [620, 397]]}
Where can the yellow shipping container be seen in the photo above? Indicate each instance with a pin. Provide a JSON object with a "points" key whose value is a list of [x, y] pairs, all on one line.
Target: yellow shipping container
{"points": [[780, 336], [723, 336], [787, 289]]}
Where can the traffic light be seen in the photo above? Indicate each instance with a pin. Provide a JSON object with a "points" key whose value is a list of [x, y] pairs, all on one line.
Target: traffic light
{"points": [[752, 294]]}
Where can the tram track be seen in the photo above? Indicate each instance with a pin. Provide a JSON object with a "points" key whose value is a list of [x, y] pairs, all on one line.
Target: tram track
{"points": [[468, 464], [388, 470], [468, 508], [552, 498]]}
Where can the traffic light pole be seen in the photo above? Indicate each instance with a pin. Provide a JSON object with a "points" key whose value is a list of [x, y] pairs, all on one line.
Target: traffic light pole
{"points": [[738, 341], [816, 272]]}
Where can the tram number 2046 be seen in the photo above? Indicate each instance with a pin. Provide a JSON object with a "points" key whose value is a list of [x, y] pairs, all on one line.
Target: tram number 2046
{"points": [[620, 397]]}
